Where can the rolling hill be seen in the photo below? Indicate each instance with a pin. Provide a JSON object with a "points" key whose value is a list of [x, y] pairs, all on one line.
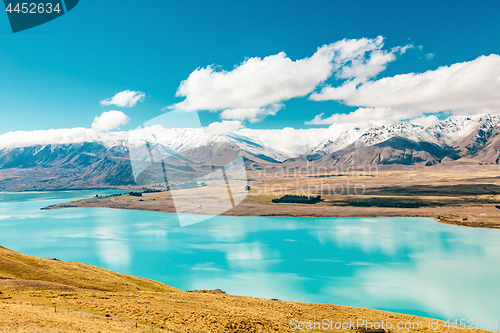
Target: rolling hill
{"points": [[51, 295]]}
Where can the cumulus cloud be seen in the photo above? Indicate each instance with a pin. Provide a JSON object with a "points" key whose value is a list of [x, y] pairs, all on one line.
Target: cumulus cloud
{"points": [[472, 85], [109, 120], [45, 137], [291, 141], [403, 49], [56, 136], [225, 126], [256, 87], [252, 114], [125, 98], [98, 133], [425, 121], [255, 83], [362, 59], [365, 117]]}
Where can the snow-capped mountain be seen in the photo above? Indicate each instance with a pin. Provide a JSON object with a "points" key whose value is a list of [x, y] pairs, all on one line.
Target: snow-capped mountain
{"points": [[65, 166], [342, 141], [447, 133], [261, 143], [109, 162], [180, 140]]}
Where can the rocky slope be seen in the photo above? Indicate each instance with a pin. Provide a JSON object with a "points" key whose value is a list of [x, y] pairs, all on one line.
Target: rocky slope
{"points": [[404, 143]]}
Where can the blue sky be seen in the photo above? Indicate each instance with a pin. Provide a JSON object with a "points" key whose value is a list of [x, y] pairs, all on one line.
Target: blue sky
{"points": [[54, 76]]}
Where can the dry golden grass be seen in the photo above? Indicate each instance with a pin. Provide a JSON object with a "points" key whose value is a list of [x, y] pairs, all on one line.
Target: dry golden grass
{"points": [[14, 265], [91, 299], [27, 318]]}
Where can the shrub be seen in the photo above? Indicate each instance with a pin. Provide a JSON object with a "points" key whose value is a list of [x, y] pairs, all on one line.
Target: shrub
{"points": [[288, 198]]}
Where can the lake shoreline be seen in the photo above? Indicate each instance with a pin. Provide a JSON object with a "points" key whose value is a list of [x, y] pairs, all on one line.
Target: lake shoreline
{"points": [[472, 216], [338, 246]]}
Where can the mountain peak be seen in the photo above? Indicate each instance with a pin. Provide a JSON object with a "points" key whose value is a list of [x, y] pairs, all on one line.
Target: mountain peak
{"points": [[448, 132]]}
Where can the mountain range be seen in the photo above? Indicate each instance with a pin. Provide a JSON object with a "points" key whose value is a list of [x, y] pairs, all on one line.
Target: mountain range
{"points": [[405, 143], [108, 164]]}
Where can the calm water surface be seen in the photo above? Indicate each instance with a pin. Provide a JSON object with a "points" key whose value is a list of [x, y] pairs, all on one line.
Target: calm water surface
{"points": [[408, 265]]}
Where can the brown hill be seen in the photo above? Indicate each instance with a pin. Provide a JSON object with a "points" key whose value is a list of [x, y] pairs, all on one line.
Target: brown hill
{"points": [[396, 150], [50, 295]]}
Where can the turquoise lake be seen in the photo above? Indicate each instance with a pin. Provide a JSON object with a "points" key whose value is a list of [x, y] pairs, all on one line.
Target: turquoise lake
{"points": [[408, 265]]}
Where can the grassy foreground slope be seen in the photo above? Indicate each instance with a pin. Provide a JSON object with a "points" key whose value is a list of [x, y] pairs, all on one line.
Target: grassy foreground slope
{"points": [[14, 265], [47, 295]]}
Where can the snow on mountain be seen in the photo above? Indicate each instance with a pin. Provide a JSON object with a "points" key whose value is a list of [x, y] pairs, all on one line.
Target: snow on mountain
{"points": [[277, 145], [456, 128], [178, 140], [383, 133], [358, 138], [448, 132], [287, 142], [164, 140], [337, 143]]}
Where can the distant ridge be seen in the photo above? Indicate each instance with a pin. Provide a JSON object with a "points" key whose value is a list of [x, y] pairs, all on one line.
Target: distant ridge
{"points": [[107, 164], [408, 144]]}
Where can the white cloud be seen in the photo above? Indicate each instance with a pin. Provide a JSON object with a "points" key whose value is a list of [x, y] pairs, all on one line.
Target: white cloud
{"points": [[403, 49], [365, 117], [33, 138], [471, 86], [429, 55], [57, 136], [362, 59], [125, 98], [425, 121], [256, 82], [247, 91], [252, 114], [98, 133], [225, 126], [109, 120], [291, 141]]}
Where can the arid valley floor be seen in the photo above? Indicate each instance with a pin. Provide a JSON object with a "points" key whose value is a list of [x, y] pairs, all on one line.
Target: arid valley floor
{"points": [[464, 194]]}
